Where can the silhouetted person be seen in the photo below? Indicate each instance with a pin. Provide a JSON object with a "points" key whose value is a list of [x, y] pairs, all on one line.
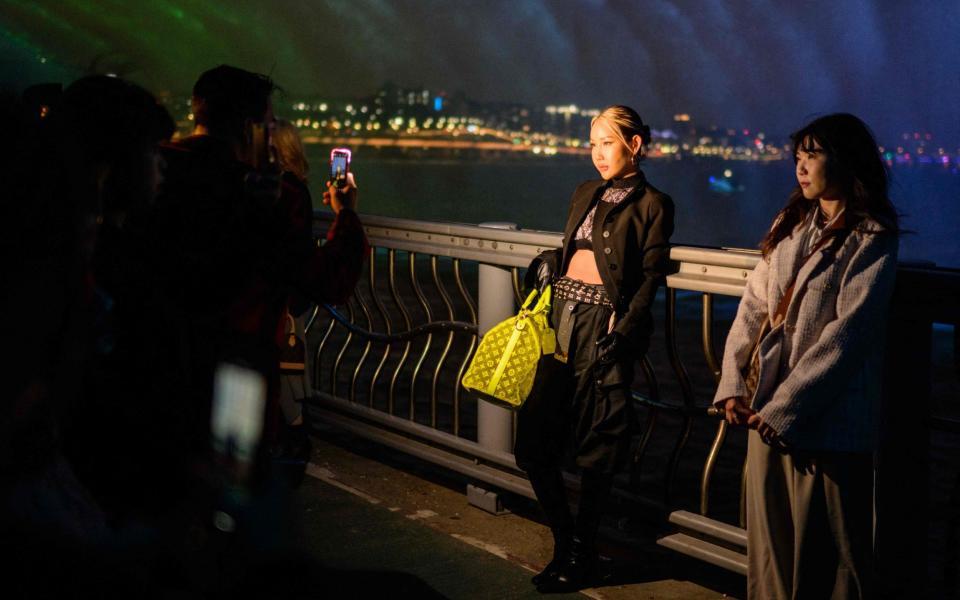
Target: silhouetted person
{"points": [[293, 165], [229, 245], [80, 157]]}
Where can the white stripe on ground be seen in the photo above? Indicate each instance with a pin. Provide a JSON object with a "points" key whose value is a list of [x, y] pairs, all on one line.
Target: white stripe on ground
{"points": [[491, 548], [421, 514], [327, 476]]}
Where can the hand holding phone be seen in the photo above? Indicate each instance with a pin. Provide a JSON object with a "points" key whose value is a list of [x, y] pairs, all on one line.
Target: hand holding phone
{"points": [[342, 186], [340, 198]]}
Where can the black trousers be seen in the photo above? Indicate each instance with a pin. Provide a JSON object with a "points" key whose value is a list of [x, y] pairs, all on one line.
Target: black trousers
{"points": [[576, 411]]}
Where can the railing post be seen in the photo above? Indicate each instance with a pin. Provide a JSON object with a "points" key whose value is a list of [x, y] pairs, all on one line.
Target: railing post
{"points": [[494, 423]]}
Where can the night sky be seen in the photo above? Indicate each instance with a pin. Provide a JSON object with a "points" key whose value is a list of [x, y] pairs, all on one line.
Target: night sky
{"points": [[746, 63]]}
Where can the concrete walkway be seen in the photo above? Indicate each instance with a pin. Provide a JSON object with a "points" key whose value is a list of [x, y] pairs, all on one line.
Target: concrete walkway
{"points": [[394, 527]]}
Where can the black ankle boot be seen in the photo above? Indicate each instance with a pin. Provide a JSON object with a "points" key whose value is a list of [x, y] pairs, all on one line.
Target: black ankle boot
{"points": [[552, 496], [579, 569], [561, 546], [576, 571]]}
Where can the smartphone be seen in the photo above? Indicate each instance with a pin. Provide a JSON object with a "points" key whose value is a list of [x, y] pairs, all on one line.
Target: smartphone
{"points": [[236, 420], [260, 147], [339, 166]]}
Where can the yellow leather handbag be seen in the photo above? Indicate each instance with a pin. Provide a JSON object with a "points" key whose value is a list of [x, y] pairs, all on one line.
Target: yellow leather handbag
{"points": [[503, 368]]}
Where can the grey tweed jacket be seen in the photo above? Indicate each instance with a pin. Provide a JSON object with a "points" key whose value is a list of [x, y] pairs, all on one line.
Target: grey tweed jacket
{"points": [[819, 380]]}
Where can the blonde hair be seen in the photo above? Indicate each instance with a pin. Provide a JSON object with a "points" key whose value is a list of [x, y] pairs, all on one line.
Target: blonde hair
{"points": [[625, 123], [289, 146]]}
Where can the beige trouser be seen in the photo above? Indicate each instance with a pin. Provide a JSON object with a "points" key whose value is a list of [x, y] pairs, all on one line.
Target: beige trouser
{"points": [[809, 524]]}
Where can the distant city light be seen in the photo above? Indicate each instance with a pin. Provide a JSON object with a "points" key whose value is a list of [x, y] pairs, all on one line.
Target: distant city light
{"points": [[417, 114]]}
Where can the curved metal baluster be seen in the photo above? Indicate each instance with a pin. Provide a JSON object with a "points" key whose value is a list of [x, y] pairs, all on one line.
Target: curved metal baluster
{"points": [[306, 332], [650, 375], [710, 354], [473, 345], [517, 293], [674, 352], [406, 319], [306, 329], [675, 458], [343, 350], [446, 348], [709, 465], [319, 353], [366, 347], [743, 494], [387, 326], [311, 319], [685, 387], [412, 262], [709, 350]]}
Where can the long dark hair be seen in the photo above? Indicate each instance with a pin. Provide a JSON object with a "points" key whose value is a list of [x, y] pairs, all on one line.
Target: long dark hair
{"points": [[854, 169]]}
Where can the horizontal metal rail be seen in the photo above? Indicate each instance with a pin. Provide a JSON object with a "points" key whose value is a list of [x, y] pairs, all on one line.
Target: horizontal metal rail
{"points": [[400, 336]]}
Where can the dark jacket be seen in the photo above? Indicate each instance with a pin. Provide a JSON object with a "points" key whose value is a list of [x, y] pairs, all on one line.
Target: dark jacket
{"points": [[225, 261], [631, 242], [236, 257]]}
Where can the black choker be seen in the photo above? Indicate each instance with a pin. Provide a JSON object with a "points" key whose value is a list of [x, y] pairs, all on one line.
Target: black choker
{"points": [[627, 182]]}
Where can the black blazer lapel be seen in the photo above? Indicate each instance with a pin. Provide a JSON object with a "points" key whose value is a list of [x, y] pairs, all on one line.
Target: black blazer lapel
{"points": [[580, 205]]}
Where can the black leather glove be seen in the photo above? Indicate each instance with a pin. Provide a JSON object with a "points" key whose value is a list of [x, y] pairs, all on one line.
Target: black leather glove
{"points": [[542, 270], [611, 348], [612, 367]]}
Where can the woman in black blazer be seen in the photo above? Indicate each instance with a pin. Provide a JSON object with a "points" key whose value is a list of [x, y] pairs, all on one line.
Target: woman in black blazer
{"points": [[615, 253]]}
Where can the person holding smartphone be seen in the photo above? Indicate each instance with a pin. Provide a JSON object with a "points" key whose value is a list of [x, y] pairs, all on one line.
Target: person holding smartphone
{"points": [[227, 242], [802, 368], [615, 253]]}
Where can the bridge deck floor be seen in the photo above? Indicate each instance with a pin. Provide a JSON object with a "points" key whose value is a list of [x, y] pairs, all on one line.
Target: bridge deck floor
{"points": [[388, 523]]}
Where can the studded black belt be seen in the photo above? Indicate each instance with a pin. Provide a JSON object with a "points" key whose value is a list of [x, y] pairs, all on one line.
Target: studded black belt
{"points": [[578, 291]]}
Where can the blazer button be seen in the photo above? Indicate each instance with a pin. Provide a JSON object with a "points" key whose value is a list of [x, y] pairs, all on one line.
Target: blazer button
{"points": [[613, 267], [606, 234], [606, 250], [599, 382]]}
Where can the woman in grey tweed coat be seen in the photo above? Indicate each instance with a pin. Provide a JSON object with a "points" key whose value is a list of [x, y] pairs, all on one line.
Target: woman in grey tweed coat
{"points": [[823, 287]]}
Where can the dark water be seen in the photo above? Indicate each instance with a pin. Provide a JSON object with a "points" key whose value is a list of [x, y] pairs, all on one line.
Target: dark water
{"points": [[535, 195]]}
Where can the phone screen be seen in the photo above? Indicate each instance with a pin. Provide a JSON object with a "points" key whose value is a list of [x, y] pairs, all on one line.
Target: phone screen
{"points": [[339, 165], [236, 420]]}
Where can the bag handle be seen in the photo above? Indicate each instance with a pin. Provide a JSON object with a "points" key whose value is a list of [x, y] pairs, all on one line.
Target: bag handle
{"points": [[543, 303], [530, 297]]}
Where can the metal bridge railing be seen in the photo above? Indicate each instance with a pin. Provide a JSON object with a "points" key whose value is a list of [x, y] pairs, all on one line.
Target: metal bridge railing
{"points": [[388, 366]]}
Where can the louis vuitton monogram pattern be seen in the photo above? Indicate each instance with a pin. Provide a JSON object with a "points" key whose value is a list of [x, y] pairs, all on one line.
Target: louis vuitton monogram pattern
{"points": [[578, 291]]}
